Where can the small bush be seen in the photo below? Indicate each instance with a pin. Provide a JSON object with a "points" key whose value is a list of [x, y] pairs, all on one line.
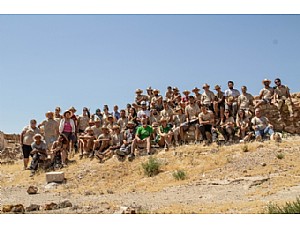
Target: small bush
{"points": [[151, 168], [280, 156], [179, 175], [289, 208], [245, 148]]}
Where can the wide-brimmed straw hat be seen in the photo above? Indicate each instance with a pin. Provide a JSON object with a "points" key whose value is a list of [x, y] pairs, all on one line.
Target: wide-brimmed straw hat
{"points": [[156, 90], [186, 92], [195, 89], [217, 87], [205, 86], [67, 111], [138, 91], [36, 136], [47, 114], [266, 80], [72, 109]]}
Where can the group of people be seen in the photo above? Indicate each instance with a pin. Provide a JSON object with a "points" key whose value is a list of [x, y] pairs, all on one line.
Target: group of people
{"points": [[154, 120]]}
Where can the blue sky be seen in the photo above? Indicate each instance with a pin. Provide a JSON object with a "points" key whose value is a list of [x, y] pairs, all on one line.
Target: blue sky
{"points": [[92, 60]]}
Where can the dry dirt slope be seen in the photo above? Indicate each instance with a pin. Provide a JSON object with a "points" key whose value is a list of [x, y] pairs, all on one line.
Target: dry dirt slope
{"points": [[220, 180]]}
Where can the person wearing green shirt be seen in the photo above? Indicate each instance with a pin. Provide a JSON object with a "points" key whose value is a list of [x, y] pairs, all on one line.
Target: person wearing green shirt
{"points": [[142, 138], [165, 134]]}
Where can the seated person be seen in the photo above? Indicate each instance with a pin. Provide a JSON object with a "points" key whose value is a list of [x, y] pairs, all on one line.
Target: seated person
{"points": [[206, 121], [102, 144], [117, 138], [39, 152], [86, 142], [261, 125], [142, 138], [266, 94], [226, 127], [60, 150], [128, 137], [178, 120], [165, 134], [242, 123]]}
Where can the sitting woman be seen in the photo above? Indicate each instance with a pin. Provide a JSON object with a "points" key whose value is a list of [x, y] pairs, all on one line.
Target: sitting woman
{"points": [[38, 152], [242, 123], [86, 142], [227, 126], [165, 134], [60, 150]]}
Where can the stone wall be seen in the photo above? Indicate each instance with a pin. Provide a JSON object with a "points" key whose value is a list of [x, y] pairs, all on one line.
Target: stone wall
{"points": [[287, 124]]}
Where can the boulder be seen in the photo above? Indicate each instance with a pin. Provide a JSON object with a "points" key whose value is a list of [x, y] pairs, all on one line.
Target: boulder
{"points": [[19, 208], [32, 190], [65, 204], [57, 177], [33, 207], [51, 206], [7, 208]]}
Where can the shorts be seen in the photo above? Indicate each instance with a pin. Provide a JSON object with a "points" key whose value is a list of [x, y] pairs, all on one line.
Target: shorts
{"points": [[70, 136], [185, 126], [26, 150]]}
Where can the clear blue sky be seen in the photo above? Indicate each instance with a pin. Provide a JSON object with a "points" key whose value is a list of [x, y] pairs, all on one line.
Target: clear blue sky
{"points": [[92, 60]]}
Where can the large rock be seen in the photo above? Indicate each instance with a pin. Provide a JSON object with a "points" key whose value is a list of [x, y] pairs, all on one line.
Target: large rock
{"points": [[57, 177], [19, 208], [32, 190], [32, 207]]}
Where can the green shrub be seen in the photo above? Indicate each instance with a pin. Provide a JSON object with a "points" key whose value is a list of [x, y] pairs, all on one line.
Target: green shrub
{"points": [[151, 168], [289, 208], [179, 175], [280, 156]]}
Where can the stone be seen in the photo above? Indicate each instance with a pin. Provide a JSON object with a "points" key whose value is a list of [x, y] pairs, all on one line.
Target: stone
{"points": [[57, 177], [51, 206], [65, 204], [52, 185], [7, 208], [33, 207], [19, 208], [32, 190]]}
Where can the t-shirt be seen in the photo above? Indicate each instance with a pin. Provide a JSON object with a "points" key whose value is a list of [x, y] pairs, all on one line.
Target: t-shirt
{"points": [[165, 129], [267, 93], [206, 116], [228, 120], [179, 119], [282, 91], [232, 92], [144, 132], [166, 113], [83, 122], [242, 122], [261, 122], [42, 146], [106, 136], [245, 100], [28, 134], [117, 139], [192, 111], [122, 123], [198, 97], [207, 97], [50, 127], [97, 131]]}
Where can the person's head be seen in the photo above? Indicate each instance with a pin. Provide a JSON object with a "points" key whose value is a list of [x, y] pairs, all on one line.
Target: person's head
{"points": [[98, 112], [62, 138], [105, 130], [72, 109], [206, 86], [230, 84], [128, 106], [192, 99], [85, 111], [57, 110], [97, 122], [266, 82], [241, 113], [277, 82], [49, 115], [122, 113], [116, 108], [33, 123], [89, 131], [149, 90], [155, 92], [186, 93], [163, 122], [67, 114], [144, 121], [132, 111], [130, 125], [196, 90], [110, 119], [165, 104], [154, 125], [257, 112], [116, 129], [37, 138], [227, 113], [169, 88], [154, 112], [105, 108], [204, 108], [144, 105], [217, 88], [138, 92], [244, 89]]}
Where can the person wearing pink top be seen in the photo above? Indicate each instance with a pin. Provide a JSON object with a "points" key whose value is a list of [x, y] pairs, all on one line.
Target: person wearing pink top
{"points": [[67, 127]]}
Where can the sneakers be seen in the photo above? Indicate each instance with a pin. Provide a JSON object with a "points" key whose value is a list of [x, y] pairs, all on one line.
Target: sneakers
{"points": [[131, 157]]}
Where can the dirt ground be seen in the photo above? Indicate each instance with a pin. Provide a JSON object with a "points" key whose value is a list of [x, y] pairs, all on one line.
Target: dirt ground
{"points": [[221, 180]]}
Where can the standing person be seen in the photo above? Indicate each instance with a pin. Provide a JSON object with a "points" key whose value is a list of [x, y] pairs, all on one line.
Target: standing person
{"points": [[105, 113], [26, 139], [197, 96], [245, 101], [142, 138], [149, 95], [169, 93], [83, 120], [97, 114], [219, 104], [266, 94], [261, 125], [133, 116], [127, 110], [123, 120], [38, 152], [231, 96], [206, 122], [139, 97], [208, 97], [57, 116], [282, 96], [116, 113], [157, 100], [185, 98], [68, 128], [51, 129]]}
